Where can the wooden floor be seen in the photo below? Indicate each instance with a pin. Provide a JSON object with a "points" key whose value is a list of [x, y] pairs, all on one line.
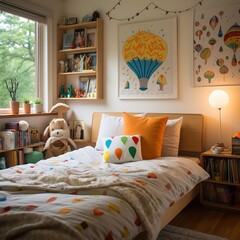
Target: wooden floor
{"points": [[211, 221]]}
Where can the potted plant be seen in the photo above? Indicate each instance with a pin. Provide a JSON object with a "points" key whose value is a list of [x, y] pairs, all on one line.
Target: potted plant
{"points": [[26, 105], [12, 87], [37, 105]]}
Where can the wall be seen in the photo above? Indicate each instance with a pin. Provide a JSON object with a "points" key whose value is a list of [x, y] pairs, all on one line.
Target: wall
{"points": [[190, 100]]}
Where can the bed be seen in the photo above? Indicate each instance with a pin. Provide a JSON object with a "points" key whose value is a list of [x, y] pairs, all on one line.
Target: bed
{"points": [[86, 194]]}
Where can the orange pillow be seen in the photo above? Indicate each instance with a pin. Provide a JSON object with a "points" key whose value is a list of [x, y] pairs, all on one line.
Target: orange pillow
{"points": [[151, 130]]}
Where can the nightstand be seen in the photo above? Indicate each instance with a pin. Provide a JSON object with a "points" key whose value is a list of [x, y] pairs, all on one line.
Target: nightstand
{"points": [[222, 189]]}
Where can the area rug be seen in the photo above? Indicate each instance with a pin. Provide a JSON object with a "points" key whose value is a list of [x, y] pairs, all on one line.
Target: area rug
{"points": [[176, 233]]}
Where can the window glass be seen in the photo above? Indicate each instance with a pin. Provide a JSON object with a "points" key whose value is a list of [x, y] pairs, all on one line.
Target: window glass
{"points": [[17, 57]]}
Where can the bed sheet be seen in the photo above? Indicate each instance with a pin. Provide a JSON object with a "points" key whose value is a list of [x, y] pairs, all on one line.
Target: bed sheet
{"points": [[93, 199]]}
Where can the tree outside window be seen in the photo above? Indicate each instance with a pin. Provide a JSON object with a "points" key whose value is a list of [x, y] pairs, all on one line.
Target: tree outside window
{"points": [[17, 56]]}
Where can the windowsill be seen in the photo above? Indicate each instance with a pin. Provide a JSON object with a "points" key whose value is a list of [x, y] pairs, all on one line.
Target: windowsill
{"points": [[7, 115]]}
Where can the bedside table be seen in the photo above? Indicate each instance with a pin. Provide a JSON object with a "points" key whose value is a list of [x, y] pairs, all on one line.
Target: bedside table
{"points": [[222, 189]]}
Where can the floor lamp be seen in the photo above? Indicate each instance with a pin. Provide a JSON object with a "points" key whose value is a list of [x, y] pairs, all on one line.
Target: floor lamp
{"points": [[219, 99]]}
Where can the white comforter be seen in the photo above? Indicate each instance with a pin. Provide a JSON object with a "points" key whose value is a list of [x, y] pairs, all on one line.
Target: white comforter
{"points": [[91, 199]]}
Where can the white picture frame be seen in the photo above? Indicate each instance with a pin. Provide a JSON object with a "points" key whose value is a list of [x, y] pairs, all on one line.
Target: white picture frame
{"points": [[144, 76]]}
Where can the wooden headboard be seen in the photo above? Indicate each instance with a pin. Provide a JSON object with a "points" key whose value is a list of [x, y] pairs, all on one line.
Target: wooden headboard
{"points": [[191, 140]]}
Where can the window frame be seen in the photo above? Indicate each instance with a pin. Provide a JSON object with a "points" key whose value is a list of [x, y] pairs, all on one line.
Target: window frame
{"points": [[44, 40]]}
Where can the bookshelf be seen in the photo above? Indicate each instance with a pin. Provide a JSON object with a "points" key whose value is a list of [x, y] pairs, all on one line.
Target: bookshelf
{"points": [[80, 61], [222, 189], [15, 156]]}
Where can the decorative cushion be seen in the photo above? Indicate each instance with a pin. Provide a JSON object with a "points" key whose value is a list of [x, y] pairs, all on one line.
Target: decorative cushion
{"points": [[151, 130], [120, 149], [172, 138], [110, 126]]}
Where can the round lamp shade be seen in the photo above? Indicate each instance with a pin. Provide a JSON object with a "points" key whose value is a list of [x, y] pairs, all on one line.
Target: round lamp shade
{"points": [[218, 99]]}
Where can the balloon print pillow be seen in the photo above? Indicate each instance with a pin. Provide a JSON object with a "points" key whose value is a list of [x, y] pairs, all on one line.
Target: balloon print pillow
{"points": [[120, 149]]}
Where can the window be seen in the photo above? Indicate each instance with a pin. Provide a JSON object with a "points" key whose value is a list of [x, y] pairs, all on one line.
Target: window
{"points": [[25, 34], [17, 56]]}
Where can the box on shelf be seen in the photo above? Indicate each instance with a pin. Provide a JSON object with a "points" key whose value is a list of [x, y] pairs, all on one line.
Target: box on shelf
{"points": [[9, 139]]}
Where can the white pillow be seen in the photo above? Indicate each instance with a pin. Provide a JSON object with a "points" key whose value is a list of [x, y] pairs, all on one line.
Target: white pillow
{"points": [[120, 149], [172, 137], [110, 126]]}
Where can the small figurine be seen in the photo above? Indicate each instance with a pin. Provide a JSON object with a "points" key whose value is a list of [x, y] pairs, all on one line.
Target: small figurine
{"points": [[61, 69], [77, 64], [77, 92], [87, 62], [82, 59], [66, 68], [95, 16]]}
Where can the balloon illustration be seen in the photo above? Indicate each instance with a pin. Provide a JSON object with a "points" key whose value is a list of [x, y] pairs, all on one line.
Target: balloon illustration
{"points": [[127, 85], [232, 40], [161, 81], [199, 33], [213, 22], [209, 75], [220, 62], [221, 13], [198, 47], [212, 41], [144, 53], [223, 70], [205, 54], [220, 34]]}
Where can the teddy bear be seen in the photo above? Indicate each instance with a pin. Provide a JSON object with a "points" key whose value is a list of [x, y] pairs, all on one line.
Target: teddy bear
{"points": [[59, 141]]}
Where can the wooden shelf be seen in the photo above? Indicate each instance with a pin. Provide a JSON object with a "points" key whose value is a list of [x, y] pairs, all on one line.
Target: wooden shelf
{"points": [[77, 50], [83, 73], [222, 190], [67, 79], [28, 146], [92, 24]]}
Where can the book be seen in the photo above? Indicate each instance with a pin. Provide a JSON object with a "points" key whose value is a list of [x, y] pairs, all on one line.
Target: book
{"points": [[78, 128], [21, 156], [12, 125], [91, 37], [80, 38], [68, 40]]}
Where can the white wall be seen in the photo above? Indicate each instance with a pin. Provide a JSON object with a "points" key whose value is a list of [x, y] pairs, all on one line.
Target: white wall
{"points": [[190, 100]]}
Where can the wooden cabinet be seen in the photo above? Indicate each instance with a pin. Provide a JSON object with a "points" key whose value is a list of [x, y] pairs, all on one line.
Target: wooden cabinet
{"points": [[80, 61], [222, 189]]}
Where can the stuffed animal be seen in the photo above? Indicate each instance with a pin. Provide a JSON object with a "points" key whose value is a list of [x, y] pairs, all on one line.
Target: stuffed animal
{"points": [[59, 141]]}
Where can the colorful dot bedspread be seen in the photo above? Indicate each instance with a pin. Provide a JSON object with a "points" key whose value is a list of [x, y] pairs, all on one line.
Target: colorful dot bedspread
{"points": [[78, 196]]}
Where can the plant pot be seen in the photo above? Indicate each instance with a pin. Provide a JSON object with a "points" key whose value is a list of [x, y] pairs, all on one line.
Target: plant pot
{"points": [[38, 108], [27, 108], [14, 107]]}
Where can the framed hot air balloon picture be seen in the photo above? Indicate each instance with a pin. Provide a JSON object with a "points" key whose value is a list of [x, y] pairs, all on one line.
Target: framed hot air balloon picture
{"points": [[216, 46], [148, 60]]}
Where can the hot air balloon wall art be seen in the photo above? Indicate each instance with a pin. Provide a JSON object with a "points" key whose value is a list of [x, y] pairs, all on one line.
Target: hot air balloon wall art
{"points": [[148, 60], [216, 46]]}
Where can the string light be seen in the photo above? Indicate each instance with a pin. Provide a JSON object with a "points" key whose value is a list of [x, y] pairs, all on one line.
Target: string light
{"points": [[108, 13]]}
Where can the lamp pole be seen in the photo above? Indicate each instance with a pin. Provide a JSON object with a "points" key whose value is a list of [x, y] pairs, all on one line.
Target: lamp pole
{"points": [[220, 125]]}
